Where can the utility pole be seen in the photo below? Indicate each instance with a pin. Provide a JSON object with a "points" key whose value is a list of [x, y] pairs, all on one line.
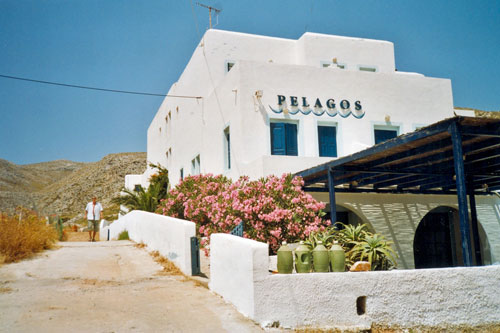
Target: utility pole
{"points": [[217, 11]]}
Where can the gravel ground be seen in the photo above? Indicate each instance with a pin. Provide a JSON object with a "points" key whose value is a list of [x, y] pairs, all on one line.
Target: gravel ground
{"points": [[108, 287]]}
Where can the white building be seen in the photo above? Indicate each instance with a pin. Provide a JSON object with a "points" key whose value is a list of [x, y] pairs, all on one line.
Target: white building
{"points": [[267, 105]]}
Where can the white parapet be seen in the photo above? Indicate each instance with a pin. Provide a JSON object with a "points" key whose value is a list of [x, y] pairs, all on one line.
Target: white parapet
{"points": [[235, 263], [440, 298], [170, 236]]}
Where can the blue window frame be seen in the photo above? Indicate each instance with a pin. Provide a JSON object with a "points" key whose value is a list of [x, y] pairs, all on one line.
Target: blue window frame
{"points": [[284, 139], [327, 141], [382, 135]]}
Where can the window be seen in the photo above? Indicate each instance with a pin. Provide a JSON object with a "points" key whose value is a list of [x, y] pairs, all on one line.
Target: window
{"points": [[195, 165], [227, 149], [284, 139], [326, 64], [137, 188], [229, 65], [367, 69], [182, 173], [384, 134], [168, 153], [327, 141]]}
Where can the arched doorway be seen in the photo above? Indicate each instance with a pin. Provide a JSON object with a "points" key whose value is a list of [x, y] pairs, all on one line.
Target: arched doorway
{"points": [[346, 216], [434, 243], [437, 240]]}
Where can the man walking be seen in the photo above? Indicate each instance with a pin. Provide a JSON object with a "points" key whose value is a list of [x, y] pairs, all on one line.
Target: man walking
{"points": [[93, 213]]}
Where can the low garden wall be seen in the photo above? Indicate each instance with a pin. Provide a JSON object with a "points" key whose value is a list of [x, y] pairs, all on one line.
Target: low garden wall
{"points": [[167, 235], [449, 297]]}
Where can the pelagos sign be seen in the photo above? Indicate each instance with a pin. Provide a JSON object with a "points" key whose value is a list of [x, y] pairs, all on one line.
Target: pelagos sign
{"points": [[295, 105]]}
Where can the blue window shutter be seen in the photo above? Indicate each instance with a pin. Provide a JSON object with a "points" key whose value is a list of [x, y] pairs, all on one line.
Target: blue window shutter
{"points": [[382, 135], [291, 139], [278, 139], [327, 141]]}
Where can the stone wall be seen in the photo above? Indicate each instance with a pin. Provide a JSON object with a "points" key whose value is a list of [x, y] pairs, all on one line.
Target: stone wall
{"points": [[437, 298]]}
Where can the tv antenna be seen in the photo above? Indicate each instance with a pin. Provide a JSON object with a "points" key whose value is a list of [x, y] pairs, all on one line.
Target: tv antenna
{"points": [[210, 8]]}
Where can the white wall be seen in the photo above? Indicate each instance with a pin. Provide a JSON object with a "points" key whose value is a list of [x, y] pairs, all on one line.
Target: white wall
{"points": [[196, 127], [314, 48], [291, 68], [246, 260], [167, 235], [442, 298], [132, 180]]}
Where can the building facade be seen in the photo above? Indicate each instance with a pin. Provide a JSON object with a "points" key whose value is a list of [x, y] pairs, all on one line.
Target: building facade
{"points": [[261, 105]]}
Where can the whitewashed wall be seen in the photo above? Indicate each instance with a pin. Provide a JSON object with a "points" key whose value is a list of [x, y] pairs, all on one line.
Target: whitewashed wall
{"points": [[246, 260], [401, 298], [188, 127], [167, 235]]}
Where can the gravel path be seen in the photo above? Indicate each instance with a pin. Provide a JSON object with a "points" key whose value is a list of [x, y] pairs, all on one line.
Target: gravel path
{"points": [[107, 287]]}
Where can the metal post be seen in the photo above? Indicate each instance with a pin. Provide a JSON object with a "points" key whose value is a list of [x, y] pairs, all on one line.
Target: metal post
{"points": [[331, 192], [463, 210], [474, 224], [195, 256]]}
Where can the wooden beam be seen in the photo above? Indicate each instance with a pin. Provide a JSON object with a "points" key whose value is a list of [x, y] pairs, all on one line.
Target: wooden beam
{"points": [[461, 193], [474, 223], [331, 191]]}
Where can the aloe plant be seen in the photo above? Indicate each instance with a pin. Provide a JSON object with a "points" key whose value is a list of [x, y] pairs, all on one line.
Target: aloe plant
{"points": [[375, 249]]}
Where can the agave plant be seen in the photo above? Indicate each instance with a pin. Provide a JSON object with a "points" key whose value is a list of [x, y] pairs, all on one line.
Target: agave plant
{"points": [[350, 234], [327, 237], [375, 249]]}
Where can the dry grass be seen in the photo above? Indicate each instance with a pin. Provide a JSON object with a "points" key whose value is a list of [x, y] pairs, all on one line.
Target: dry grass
{"points": [[487, 328], [24, 234], [169, 267], [4, 290]]}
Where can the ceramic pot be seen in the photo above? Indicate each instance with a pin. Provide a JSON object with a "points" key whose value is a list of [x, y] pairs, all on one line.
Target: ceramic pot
{"points": [[302, 258], [285, 259], [321, 259], [337, 258]]}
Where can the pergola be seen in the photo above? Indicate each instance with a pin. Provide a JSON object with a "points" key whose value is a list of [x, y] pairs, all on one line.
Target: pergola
{"points": [[457, 156]]}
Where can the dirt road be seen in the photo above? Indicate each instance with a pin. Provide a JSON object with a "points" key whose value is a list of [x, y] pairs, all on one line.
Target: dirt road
{"points": [[107, 287]]}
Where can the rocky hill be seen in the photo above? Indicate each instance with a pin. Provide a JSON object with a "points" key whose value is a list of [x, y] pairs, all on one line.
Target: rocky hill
{"points": [[64, 187]]}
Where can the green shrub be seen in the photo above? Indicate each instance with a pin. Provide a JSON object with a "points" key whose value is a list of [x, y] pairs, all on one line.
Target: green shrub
{"points": [[123, 235], [149, 199]]}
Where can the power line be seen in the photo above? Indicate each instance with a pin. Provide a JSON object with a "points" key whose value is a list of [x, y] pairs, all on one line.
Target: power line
{"points": [[95, 88]]}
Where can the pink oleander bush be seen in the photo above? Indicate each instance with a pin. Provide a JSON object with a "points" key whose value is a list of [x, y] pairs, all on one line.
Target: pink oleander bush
{"points": [[274, 209]]}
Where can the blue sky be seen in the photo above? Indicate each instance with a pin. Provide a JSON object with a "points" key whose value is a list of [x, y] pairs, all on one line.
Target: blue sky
{"points": [[144, 46]]}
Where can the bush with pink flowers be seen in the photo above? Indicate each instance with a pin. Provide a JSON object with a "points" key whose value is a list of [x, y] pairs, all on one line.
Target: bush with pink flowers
{"points": [[273, 209]]}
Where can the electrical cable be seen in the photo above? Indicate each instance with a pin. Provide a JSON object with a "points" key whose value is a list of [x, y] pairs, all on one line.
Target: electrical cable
{"points": [[95, 88]]}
